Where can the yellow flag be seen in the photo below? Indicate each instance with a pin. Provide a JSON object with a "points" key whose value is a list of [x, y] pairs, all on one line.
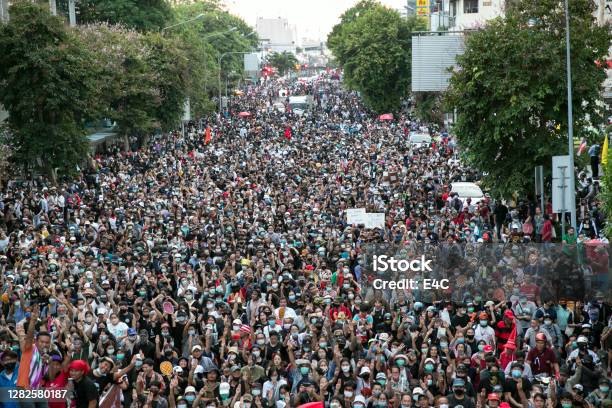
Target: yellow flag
{"points": [[604, 152]]}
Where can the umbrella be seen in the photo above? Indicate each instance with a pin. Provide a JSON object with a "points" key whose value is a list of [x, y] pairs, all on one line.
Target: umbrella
{"points": [[244, 114], [386, 116]]}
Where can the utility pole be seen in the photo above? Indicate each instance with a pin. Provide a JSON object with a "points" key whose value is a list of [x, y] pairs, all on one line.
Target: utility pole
{"points": [[53, 7], [4, 11], [71, 13], [570, 121]]}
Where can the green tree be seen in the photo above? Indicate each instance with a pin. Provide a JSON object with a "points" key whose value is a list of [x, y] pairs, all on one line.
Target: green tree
{"points": [[128, 87], [428, 107], [283, 61], [510, 92], [142, 15], [373, 44], [46, 88]]}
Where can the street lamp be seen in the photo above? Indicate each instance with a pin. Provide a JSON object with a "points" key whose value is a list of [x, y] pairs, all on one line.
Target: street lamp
{"points": [[199, 16], [570, 120], [220, 33]]}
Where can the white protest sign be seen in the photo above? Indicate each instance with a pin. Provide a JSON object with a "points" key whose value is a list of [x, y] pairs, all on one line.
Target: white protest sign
{"points": [[375, 220], [355, 216]]}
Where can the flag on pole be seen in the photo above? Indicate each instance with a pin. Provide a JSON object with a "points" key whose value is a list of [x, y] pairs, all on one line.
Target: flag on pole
{"points": [[288, 133], [604, 152], [582, 147], [208, 135]]}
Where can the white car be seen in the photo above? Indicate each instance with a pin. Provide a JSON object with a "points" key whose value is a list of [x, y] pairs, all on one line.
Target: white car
{"points": [[418, 140], [467, 190]]}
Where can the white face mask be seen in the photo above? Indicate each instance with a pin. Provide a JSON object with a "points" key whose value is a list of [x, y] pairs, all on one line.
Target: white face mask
{"points": [[348, 394]]}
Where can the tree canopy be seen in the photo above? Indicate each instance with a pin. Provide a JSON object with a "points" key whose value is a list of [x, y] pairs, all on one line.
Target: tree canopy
{"points": [[510, 90], [373, 44], [141, 15], [283, 61]]}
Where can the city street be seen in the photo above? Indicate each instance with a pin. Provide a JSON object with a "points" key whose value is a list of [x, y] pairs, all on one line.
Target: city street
{"points": [[297, 235]]}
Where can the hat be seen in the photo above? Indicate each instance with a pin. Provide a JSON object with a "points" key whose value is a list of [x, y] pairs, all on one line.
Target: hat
{"points": [[488, 348], [381, 376], [364, 370], [504, 405], [198, 370], [247, 397], [197, 347], [302, 361], [582, 339], [578, 387], [508, 313], [430, 360], [458, 382], [131, 331], [359, 399], [237, 321], [417, 390], [232, 349], [483, 315], [235, 368], [189, 389], [510, 345], [493, 397], [79, 365], [245, 328]]}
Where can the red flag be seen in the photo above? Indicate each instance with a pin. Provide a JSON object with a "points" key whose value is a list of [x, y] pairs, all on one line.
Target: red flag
{"points": [[208, 135], [313, 405], [288, 133]]}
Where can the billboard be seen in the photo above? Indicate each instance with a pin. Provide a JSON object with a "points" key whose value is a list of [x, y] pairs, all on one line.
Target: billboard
{"points": [[432, 57], [423, 7]]}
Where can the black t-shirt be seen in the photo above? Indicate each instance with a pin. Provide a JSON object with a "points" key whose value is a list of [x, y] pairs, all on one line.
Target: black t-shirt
{"points": [[510, 386], [460, 321], [466, 401], [101, 381], [85, 391]]}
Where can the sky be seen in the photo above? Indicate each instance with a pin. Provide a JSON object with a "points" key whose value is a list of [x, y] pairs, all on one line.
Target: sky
{"points": [[313, 19]]}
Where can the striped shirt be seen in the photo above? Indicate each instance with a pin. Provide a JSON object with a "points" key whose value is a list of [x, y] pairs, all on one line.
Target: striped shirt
{"points": [[32, 368]]}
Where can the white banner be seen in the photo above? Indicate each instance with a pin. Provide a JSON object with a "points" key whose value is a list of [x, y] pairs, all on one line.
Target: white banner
{"points": [[355, 216], [375, 220]]}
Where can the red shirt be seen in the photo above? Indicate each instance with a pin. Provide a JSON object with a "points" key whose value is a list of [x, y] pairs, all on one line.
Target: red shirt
{"points": [[57, 383], [542, 361]]}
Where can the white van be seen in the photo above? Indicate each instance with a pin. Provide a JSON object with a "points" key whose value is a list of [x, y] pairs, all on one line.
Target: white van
{"points": [[467, 190]]}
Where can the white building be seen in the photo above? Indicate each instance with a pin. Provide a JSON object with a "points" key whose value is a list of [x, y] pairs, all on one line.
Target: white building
{"points": [[277, 34]]}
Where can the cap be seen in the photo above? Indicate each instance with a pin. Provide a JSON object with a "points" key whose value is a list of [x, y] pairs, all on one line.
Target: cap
{"points": [[488, 348], [196, 347], [302, 361], [224, 388], [237, 321], [582, 339], [198, 370], [493, 397], [417, 390], [359, 399], [458, 382], [364, 370], [483, 315], [235, 368], [508, 313], [247, 397], [131, 331], [540, 337], [381, 376], [578, 387], [189, 389]]}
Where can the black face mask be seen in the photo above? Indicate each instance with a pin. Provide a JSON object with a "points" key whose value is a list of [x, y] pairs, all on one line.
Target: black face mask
{"points": [[10, 366], [459, 392]]}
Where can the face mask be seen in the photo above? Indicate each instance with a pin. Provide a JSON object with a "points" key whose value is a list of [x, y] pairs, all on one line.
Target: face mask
{"points": [[382, 382], [429, 382], [348, 394], [138, 363], [224, 396], [345, 368], [275, 286], [11, 366], [189, 398], [181, 406], [322, 345], [272, 322], [400, 362], [191, 332], [566, 404], [604, 388], [256, 392], [261, 342], [120, 356], [110, 351], [256, 354], [443, 345], [547, 322], [470, 310], [480, 347], [484, 323], [304, 370], [516, 373], [442, 406], [292, 298], [103, 337], [429, 367]]}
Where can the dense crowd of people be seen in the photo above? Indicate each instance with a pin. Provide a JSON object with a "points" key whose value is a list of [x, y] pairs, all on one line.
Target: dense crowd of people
{"points": [[217, 268]]}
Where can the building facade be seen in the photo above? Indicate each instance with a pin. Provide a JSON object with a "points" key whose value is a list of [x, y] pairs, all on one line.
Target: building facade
{"points": [[277, 34]]}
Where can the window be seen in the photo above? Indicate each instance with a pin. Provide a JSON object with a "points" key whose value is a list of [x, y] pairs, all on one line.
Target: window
{"points": [[470, 6]]}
